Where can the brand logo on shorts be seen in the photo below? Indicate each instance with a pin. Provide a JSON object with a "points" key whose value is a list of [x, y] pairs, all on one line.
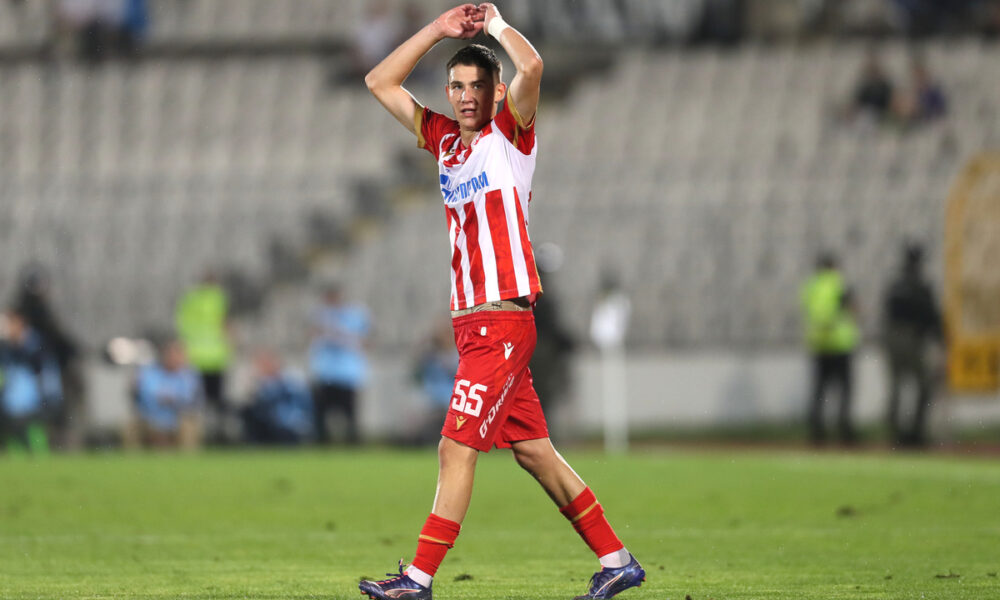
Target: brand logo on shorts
{"points": [[496, 407], [459, 421], [507, 349]]}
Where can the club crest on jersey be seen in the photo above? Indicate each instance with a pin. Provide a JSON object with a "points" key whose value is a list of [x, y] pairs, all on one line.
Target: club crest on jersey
{"points": [[463, 189]]}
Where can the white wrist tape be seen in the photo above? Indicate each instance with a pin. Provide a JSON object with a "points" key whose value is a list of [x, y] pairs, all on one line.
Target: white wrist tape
{"points": [[497, 26]]}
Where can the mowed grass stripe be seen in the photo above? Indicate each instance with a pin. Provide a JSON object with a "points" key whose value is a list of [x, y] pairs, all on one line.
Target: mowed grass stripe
{"points": [[308, 524]]}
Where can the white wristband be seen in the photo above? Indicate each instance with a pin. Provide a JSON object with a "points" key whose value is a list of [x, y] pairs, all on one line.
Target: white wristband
{"points": [[497, 26]]}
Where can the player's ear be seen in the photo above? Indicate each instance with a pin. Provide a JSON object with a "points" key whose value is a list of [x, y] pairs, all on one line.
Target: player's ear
{"points": [[501, 91]]}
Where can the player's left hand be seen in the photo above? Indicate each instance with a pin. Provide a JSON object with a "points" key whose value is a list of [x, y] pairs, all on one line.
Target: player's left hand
{"points": [[489, 11], [462, 22]]}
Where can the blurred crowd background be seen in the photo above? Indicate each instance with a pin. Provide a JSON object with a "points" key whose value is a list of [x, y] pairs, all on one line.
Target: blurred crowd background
{"points": [[775, 218]]}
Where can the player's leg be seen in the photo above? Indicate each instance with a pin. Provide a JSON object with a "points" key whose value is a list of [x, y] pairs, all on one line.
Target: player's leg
{"points": [[541, 460], [456, 472], [525, 431], [485, 375], [577, 502]]}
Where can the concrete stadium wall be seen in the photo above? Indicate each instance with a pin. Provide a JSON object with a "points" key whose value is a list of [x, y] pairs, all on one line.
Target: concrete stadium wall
{"points": [[664, 391]]}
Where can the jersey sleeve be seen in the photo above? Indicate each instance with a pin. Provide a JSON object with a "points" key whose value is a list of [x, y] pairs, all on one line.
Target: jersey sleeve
{"points": [[430, 127], [509, 122]]}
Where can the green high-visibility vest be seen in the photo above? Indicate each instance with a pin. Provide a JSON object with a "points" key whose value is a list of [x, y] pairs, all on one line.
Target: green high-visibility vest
{"points": [[830, 325], [201, 325]]}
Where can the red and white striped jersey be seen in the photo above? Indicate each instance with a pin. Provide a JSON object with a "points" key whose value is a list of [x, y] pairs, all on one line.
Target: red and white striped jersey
{"points": [[487, 190]]}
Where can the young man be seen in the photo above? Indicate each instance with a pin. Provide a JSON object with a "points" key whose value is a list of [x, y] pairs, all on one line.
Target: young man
{"points": [[486, 159]]}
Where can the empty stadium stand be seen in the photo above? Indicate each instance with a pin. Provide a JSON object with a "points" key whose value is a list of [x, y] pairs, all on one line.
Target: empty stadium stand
{"points": [[705, 179]]}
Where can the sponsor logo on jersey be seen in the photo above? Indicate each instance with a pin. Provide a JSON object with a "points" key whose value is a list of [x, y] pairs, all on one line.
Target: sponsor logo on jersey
{"points": [[459, 421], [507, 349], [461, 190]]}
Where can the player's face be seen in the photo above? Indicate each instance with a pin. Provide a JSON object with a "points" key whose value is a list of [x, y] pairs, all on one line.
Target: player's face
{"points": [[473, 93]]}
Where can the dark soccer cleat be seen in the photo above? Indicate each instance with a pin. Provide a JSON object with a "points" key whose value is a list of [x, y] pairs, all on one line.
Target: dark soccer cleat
{"points": [[610, 582], [398, 586]]}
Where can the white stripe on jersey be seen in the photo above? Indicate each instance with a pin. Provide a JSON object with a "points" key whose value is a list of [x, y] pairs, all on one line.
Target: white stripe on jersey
{"points": [[490, 283], [470, 293], [453, 229], [514, 231]]}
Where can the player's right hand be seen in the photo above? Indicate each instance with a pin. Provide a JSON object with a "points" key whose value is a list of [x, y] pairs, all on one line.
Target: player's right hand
{"points": [[462, 22]]}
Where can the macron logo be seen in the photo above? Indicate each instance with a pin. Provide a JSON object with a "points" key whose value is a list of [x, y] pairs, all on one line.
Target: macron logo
{"points": [[507, 349], [463, 189]]}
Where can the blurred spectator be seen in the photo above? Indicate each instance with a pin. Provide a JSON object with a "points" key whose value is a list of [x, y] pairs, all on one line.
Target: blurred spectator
{"points": [[101, 28], [203, 328], [722, 21], [550, 363], [167, 399], [831, 336], [337, 362], [923, 100], [927, 17], [873, 92], [608, 328], [376, 37], [609, 321], [34, 305], [30, 389], [911, 325], [281, 411], [435, 370]]}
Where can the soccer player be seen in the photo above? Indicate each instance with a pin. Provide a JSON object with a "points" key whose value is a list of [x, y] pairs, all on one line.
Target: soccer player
{"points": [[486, 159]]}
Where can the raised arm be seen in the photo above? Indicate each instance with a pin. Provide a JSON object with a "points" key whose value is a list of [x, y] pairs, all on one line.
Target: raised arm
{"points": [[385, 81], [525, 86]]}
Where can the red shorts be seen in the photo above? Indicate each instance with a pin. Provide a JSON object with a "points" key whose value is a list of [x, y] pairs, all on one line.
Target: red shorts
{"points": [[494, 402]]}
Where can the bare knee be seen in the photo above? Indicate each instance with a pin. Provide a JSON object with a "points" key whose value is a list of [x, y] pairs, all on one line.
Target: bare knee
{"points": [[452, 454], [534, 457]]}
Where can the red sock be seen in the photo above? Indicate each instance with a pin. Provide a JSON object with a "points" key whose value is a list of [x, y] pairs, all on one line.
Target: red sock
{"points": [[436, 538], [587, 517]]}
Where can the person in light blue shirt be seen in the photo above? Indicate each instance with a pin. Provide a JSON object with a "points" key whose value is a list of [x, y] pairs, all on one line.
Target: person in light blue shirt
{"points": [[337, 362], [168, 400], [434, 371], [282, 409], [30, 386]]}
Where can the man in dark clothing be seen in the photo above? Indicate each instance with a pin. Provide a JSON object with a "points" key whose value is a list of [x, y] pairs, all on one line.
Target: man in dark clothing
{"points": [[550, 365], [34, 305], [30, 389], [873, 91], [912, 322]]}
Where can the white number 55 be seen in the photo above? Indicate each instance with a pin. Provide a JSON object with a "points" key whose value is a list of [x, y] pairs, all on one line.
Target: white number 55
{"points": [[468, 402]]}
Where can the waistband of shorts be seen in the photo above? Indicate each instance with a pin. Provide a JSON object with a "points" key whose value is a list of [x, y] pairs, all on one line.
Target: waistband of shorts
{"points": [[515, 305]]}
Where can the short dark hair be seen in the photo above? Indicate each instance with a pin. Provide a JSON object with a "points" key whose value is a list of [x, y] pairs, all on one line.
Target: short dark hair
{"points": [[476, 55]]}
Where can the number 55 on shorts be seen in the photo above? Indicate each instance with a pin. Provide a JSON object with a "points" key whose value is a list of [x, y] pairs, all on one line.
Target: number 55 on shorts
{"points": [[466, 398]]}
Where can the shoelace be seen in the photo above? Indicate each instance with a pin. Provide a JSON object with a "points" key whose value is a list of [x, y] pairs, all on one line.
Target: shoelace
{"points": [[601, 577], [395, 576]]}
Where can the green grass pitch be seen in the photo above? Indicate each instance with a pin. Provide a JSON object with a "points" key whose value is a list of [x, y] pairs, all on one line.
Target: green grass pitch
{"points": [[290, 525]]}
